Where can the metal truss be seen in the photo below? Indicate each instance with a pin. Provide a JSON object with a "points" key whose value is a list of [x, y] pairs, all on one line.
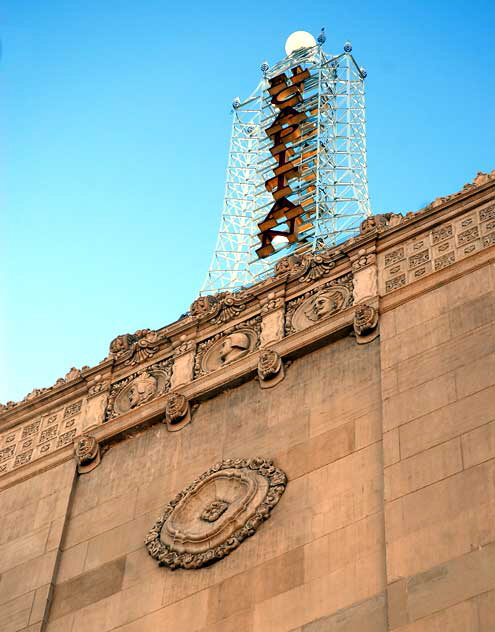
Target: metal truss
{"points": [[331, 153]]}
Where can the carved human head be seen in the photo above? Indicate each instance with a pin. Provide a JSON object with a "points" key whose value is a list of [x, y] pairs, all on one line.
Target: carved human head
{"points": [[322, 305], [233, 347], [142, 389]]}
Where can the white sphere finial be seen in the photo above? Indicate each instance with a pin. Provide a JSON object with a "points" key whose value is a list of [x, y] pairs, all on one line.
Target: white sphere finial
{"points": [[297, 40]]}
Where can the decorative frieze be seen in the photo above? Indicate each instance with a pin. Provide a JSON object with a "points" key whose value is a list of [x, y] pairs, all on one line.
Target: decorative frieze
{"points": [[226, 347], [40, 436], [439, 248], [318, 304], [220, 308], [138, 388], [213, 515], [138, 347]]}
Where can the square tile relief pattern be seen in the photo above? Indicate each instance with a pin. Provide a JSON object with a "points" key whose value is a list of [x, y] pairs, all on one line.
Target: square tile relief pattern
{"points": [[437, 248], [39, 436]]}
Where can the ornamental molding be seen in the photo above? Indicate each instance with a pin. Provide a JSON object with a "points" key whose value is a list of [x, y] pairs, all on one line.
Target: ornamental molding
{"points": [[139, 388], [365, 323], [132, 349], [319, 304], [270, 368], [227, 346], [213, 515], [87, 453], [177, 411], [310, 266], [220, 308]]}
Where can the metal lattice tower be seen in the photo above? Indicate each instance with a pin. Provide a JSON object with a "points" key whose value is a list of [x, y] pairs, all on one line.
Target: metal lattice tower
{"points": [[332, 185]]}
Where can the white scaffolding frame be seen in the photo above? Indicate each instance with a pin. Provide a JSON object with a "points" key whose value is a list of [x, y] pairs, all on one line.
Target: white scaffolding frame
{"points": [[336, 194]]}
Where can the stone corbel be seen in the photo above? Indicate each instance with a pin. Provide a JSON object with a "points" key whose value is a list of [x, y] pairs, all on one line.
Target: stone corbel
{"points": [[184, 350], [365, 275], [177, 412], [87, 453], [273, 317], [270, 368], [366, 323]]}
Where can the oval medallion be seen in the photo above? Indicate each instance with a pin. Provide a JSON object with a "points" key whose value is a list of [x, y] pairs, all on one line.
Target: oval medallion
{"points": [[214, 514]]}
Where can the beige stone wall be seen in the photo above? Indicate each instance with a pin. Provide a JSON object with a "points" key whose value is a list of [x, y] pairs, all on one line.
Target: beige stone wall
{"points": [[320, 552], [33, 516], [438, 383], [388, 442]]}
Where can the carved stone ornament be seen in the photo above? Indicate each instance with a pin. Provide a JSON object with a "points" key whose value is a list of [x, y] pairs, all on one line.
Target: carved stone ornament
{"points": [[139, 388], [380, 222], [87, 453], [215, 513], [365, 323], [137, 347], [227, 347], [177, 411], [310, 265], [221, 307], [319, 304], [270, 368]]}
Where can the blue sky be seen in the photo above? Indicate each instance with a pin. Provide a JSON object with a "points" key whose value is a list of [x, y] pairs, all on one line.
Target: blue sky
{"points": [[115, 125]]}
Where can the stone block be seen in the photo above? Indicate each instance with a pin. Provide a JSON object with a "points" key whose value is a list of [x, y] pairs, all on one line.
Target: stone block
{"points": [[447, 422], [390, 382], [423, 469], [41, 604], [22, 549], [188, 615], [121, 608], [118, 542], [415, 340], [27, 576], [421, 309], [387, 325], [368, 428], [87, 588], [391, 448], [369, 615], [462, 617], [238, 622], [323, 596], [343, 547], [279, 574], [458, 580], [486, 611], [397, 613], [475, 376], [478, 445], [469, 286], [446, 357], [472, 314], [317, 451], [418, 401], [14, 614], [101, 518], [71, 562]]}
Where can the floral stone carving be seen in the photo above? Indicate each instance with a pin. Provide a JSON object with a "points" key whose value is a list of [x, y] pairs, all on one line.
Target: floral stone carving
{"points": [[365, 323], [219, 308], [215, 513], [137, 347], [177, 411], [270, 368], [87, 453]]}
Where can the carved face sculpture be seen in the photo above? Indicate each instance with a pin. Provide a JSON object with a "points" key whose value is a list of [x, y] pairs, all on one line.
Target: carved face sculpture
{"points": [[85, 448], [234, 347], [143, 388], [322, 306], [176, 407], [269, 364]]}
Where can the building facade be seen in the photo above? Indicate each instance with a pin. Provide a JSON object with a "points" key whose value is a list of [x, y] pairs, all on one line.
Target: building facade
{"points": [[313, 453]]}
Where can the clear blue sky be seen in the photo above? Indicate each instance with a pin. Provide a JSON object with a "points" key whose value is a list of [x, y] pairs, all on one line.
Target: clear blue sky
{"points": [[115, 128]]}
